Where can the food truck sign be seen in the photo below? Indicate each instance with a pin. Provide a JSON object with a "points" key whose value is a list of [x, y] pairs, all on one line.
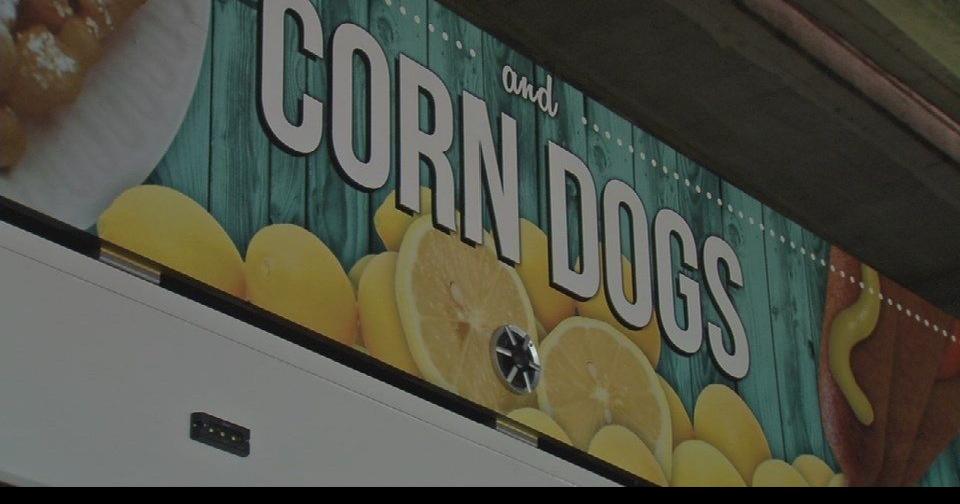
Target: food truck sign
{"points": [[392, 181]]}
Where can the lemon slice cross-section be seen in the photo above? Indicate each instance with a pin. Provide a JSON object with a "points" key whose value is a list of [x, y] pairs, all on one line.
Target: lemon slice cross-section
{"points": [[451, 298], [593, 376]]}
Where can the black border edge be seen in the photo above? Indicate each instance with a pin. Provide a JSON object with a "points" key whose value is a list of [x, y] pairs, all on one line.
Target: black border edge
{"points": [[48, 228]]}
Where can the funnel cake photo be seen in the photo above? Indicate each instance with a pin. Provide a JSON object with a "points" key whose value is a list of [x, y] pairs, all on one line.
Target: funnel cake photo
{"points": [[46, 49], [92, 94]]}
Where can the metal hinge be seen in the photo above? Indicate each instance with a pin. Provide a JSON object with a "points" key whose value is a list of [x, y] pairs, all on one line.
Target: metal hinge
{"points": [[517, 431], [125, 261]]}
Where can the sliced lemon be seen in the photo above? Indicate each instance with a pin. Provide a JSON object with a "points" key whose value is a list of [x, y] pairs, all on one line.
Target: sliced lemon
{"points": [[593, 376], [621, 447], [451, 298], [598, 308]]}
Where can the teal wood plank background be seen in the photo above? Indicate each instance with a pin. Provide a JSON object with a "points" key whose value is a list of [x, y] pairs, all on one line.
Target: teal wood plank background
{"points": [[288, 173], [815, 253], [240, 152], [608, 161], [186, 165], [223, 160], [704, 212], [336, 212], [397, 33], [496, 55], [451, 41], [792, 330], [568, 131], [945, 471], [659, 191], [759, 389]]}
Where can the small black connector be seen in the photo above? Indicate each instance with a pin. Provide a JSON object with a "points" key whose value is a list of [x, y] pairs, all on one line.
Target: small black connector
{"points": [[220, 434]]}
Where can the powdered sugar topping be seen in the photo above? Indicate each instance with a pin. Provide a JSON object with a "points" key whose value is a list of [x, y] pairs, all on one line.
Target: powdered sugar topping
{"points": [[50, 57]]}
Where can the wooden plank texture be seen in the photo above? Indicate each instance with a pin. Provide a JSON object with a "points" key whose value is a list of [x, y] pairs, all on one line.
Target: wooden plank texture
{"points": [[186, 165], [568, 131], [240, 153], [451, 40], [335, 210], [288, 173], [792, 331], [398, 33], [496, 56], [704, 212], [658, 191], [759, 388]]}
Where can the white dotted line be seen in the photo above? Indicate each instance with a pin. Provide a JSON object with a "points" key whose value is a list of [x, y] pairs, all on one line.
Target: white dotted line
{"points": [[433, 29], [621, 143], [784, 240]]}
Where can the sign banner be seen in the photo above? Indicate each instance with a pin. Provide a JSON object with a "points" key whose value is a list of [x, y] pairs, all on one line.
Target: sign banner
{"points": [[386, 175]]}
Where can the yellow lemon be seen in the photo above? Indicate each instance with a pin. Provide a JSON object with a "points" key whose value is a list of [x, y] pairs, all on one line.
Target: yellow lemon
{"points": [[839, 480], [356, 272], [597, 308], [698, 464], [540, 422], [777, 473], [722, 419], [814, 470], [621, 447], [291, 273], [166, 226], [594, 376], [681, 427], [379, 319], [391, 223], [452, 298], [550, 305]]}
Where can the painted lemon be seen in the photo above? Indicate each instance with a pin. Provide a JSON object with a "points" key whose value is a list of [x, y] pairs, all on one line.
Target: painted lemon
{"points": [[680, 422], [452, 298], [814, 470], [550, 305], [722, 419], [540, 422], [291, 273], [839, 480], [593, 376], [621, 447], [698, 464], [597, 308], [391, 223], [777, 473], [166, 226], [379, 320], [356, 272]]}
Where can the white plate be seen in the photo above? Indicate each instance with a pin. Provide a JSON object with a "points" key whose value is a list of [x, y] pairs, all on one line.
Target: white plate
{"points": [[131, 108]]}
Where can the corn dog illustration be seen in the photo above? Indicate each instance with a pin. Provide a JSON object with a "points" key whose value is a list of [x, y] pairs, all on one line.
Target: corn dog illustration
{"points": [[912, 380], [856, 364], [941, 419]]}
